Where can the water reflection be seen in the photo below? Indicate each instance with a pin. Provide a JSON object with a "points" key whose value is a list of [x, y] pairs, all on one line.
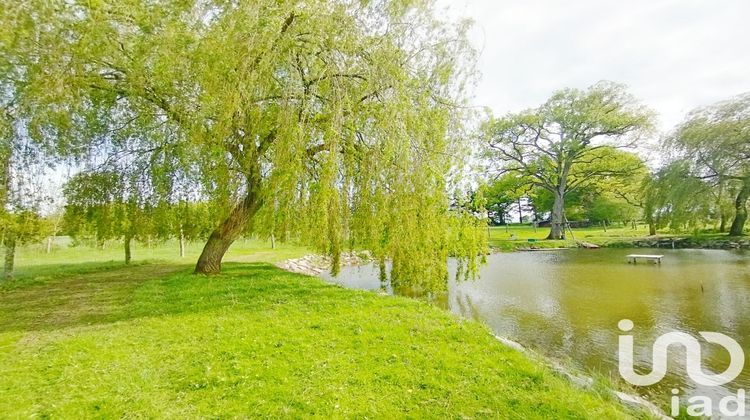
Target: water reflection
{"points": [[566, 304]]}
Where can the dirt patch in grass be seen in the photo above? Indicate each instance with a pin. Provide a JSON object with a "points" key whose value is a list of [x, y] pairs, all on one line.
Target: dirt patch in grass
{"points": [[76, 300]]}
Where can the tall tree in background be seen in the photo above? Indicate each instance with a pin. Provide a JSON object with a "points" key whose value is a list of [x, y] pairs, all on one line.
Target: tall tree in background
{"points": [[569, 142], [673, 197], [20, 194], [717, 139], [332, 121], [503, 195], [107, 206], [22, 165], [52, 225], [183, 220], [619, 198]]}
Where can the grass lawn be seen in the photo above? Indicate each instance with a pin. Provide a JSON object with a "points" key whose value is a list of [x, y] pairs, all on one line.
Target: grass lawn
{"points": [[33, 262], [153, 340], [517, 236]]}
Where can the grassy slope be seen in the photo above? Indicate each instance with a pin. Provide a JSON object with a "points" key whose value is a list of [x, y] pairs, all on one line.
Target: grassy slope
{"points": [[154, 340]]}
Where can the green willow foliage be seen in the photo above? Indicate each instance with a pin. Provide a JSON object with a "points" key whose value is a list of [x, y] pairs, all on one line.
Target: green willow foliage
{"points": [[676, 199], [333, 122], [717, 139]]}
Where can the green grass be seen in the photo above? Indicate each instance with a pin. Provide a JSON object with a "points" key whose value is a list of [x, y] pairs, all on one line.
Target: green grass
{"points": [[34, 262], [153, 340], [500, 236], [515, 237]]}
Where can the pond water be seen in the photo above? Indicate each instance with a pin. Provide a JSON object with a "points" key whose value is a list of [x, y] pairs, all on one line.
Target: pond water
{"points": [[567, 304]]}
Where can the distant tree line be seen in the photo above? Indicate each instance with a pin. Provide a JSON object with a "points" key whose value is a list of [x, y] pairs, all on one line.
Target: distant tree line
{"points": [[575, 158]]}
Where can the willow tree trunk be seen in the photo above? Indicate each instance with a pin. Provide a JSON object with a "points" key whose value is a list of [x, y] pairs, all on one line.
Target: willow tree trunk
{"points": [[722, 213], [740, 208], [230, 229], [648, 213], [520, 212], [9, 236], [10, 256], [182, 244], [126, 242], [557, 230]]}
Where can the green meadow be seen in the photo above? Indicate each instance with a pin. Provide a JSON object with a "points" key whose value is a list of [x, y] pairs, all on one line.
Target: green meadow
{"points": [[95, 338], [517, 236]]}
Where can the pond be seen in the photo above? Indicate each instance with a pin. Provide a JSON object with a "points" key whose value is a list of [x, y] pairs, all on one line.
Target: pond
{"points": [[567, 305]]}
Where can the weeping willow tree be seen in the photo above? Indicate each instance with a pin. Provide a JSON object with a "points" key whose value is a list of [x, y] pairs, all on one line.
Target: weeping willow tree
{"points": [[673, 197], [22, 167], [717, 138], [334, 122]]}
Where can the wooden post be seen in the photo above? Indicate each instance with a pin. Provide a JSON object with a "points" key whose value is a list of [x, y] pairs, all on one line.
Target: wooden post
{"points": [[567, 223]]}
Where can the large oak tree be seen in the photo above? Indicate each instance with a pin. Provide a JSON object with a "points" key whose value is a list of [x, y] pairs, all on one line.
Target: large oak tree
{"points": [[568, 142]]}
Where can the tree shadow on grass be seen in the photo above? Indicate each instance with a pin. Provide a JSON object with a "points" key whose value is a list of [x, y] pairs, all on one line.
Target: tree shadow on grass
{"points": [[120, 293]]}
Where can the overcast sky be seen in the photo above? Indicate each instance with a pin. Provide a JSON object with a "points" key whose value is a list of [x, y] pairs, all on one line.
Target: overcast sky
{"points": [[674, 55]]}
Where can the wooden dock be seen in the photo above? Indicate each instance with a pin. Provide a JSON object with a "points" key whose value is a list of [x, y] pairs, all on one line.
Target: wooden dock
{"points": [[634, 258]]}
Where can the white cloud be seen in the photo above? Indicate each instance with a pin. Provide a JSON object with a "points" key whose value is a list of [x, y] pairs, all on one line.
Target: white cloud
{"points": [[674, 55]]}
